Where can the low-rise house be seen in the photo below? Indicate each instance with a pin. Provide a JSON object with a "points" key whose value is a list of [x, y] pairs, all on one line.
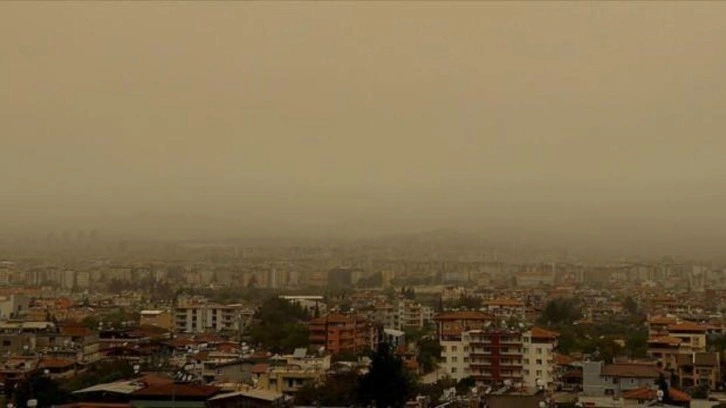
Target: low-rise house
{"points": [[234, 371], [699, 369], [289, 379], [613, 379], [173, 395], [644, 396], [57, 367], [157, 318], [251, 398]]}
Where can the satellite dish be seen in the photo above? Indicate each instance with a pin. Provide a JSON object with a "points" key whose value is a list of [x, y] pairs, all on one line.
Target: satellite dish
{"points": [[660, 395], [540, 383], [32, 403], [508, 383]]}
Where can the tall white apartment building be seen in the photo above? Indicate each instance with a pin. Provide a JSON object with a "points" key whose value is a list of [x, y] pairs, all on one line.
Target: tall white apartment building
{"points": [[493, 356], [539, 357], [200, 318]]}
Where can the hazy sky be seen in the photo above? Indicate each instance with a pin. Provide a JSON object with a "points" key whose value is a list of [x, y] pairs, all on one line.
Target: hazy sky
{"points": [[582, 122]]}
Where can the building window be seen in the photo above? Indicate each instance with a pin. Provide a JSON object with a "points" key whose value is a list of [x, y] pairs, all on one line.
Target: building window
{"points": [[539, 373], [454, 359], [539, 361], [453, 370], [453, 349]]}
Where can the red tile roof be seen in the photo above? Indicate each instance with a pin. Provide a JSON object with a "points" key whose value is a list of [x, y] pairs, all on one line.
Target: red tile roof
{"points": [[504, 302], [94, 405], [671, 341], [336, 318], [259, 368], [631, 371], [463, 315], [155, 379], [563, 360], [540, 333], [687, 327], [662, 320], [648, 394], [48, 362], [179, 390], [75, 331]]}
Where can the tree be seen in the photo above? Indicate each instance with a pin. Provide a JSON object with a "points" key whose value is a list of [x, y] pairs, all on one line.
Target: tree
{"points": [[339, 390], [429, 353], [465, 385], [631, 306], [101, 372], [386, 384], [467, 302], [41, 388], [560, 311], [278, 325], [410, 294]]}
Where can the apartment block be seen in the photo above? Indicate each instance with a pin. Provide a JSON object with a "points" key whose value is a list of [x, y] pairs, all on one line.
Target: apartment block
{"points": [[337, 332], [200, 318]]}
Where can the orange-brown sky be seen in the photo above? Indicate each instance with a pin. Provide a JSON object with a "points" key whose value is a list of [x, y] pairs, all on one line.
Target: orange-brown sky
{"points": [[576, 122]]}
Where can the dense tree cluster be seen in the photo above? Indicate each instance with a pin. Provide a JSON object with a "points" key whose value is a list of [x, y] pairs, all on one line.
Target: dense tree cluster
{"points": [[560, 311], [279, 326], [605, 340], [386, 385]]}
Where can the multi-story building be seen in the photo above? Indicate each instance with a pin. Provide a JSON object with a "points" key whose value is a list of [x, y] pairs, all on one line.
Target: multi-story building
{"points": [[451, 325], [692, 335], [337, 332], [698, 369], [199, 318], [401, 315], [664, 350], [539, 357], [506, 308], [493, 356], [157, 318], [13, 306], [490, 356], [413, 315], [614, 379]]}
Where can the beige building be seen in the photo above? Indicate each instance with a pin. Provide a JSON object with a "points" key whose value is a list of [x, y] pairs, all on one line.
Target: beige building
{"points": [[157, 318]]}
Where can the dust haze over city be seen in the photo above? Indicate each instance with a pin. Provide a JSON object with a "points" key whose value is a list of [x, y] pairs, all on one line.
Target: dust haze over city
{"points": [[597, 126], [384, 204]]}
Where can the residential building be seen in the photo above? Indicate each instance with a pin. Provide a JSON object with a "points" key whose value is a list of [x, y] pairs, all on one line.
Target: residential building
{"points": [[451, 325], [250, 398], [337, 332], [665, 350], [402, 314], [157, 318], [13, 306], [614, 379], [494, 356], [692, 335], [506, 308], [200, 318], [539, 357], [697, 369], [289, 379]]}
